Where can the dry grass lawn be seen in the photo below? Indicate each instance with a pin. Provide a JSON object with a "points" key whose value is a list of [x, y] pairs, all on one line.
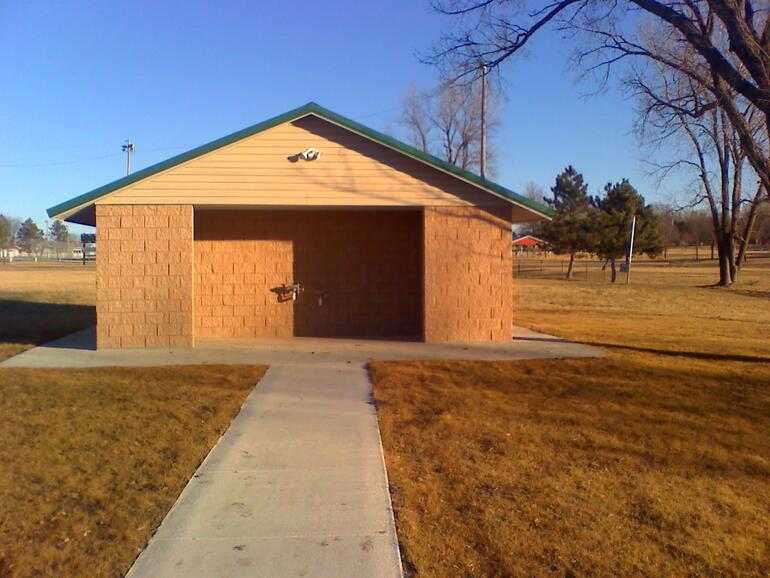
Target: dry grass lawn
{"points": [[666, 308], [654, 461], [91, 460], [43, 301]]}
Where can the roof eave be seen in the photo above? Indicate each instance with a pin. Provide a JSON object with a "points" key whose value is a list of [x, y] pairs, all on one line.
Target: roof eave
{"points": [[75, 205], [85, 198]]}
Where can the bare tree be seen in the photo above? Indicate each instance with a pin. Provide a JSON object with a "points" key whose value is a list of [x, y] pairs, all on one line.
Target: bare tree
{"points": [[728, 41], [695, 227], [447, 123], [415, 117], [760, 232], [708, 142], [534, 192], [8, 227], [749, 225], [7, 234], [667, 226]]}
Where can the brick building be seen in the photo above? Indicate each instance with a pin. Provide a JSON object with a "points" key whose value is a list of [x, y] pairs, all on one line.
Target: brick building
{"points": [[308, 224]]}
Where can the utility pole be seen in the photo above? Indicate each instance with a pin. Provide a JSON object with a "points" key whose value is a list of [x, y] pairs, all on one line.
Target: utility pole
{"points": [[630, 251], [128, 148], [483, 159]]}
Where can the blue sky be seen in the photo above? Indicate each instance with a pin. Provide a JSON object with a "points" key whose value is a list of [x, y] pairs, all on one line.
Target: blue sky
{"points": [[174, 75]]}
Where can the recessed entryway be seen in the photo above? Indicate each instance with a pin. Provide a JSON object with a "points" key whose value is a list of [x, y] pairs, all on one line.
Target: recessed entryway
{"points": [[308, 273]]}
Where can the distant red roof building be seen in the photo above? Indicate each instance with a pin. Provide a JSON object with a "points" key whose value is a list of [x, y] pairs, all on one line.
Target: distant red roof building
{"points": [[528, 241]]}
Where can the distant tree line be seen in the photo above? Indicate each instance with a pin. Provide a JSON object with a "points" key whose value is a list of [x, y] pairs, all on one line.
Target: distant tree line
{"points": [[698, 72], [29, 238], [682, 228], [599, 224], [686, 132]]}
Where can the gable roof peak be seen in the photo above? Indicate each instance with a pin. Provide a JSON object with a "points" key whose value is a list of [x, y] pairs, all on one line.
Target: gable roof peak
{"points": [[81, 201]]}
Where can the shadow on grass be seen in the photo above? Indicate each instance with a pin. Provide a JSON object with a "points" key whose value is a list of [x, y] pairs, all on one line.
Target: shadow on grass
{"points": [[755, 294], [545, 339], [691, 354], [34, 323]]}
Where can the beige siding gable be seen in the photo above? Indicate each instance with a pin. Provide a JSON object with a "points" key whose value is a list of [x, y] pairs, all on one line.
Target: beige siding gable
{"points": [[352, 171]]}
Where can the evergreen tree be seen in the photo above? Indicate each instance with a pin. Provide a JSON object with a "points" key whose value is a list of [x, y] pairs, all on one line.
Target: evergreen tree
{"points": [[58, 232], [572, 228], [30, 237], [613, 227], [58, 235]]}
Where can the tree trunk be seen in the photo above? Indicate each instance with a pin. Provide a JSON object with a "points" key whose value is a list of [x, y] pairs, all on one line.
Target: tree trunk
{"points": [[744, 242], [725, 269], [730, 245], [571, 265], [614, 270], [743, 247]]}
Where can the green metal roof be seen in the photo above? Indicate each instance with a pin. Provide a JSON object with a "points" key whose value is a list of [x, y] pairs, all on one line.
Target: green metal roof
{"points": [[317, 110]]}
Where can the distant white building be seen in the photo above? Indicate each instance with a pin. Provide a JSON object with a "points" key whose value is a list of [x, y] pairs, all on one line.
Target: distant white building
{"points": [[9, 254], [77, 251]]}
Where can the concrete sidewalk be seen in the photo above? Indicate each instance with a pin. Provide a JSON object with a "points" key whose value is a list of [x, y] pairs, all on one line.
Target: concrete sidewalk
{"points": [[78, 350], [295, 487]]}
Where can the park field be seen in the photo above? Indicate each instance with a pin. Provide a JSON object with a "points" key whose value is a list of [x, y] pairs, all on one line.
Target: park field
{"points": [[43, 301], [92, 459], [651, 461]]}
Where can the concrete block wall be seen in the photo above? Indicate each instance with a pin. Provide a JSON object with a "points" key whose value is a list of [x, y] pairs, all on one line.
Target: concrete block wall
{"points": [[468, 274], [144, 276], [367, 262]]}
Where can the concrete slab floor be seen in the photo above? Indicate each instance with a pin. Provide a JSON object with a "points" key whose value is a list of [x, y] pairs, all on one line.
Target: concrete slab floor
{"points": [[78, 350]]}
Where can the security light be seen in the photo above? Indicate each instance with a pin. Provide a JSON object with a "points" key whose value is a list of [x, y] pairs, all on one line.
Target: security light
{"points": [[310, 154]]}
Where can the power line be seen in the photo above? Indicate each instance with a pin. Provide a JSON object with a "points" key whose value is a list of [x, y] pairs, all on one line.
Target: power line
{"points": [[55, 163], [86, 159], [160, 149], [391, 109]]}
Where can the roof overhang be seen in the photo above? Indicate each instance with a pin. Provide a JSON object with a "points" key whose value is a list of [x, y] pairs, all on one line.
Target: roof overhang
{"points": [[80, 209]]}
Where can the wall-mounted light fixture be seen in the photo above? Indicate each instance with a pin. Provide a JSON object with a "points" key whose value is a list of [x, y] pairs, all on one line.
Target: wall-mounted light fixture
{"points": [[310, 154]]}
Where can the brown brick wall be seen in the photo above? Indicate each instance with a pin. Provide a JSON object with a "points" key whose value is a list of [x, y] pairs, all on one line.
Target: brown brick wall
{"points": [[144, 291], [467, 270], [369, 263]]}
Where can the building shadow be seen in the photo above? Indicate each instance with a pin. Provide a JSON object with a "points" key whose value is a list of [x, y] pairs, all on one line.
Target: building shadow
{"points": [[31, 322], [360, 271], [362, 275], [706, 356]]}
